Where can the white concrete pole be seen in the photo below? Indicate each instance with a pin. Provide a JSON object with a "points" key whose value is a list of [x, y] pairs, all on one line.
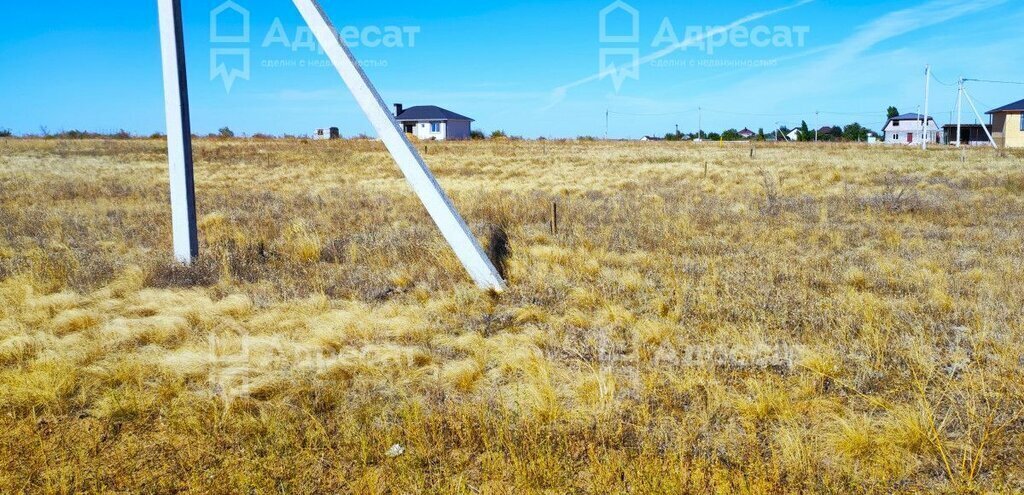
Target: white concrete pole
{"points": [[927, 88], [980, 120], [700, 124], [817, 125], [437, 203], [179, 132], [959, 110]]}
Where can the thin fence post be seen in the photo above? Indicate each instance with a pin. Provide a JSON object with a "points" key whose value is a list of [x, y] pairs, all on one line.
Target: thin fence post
{"points": [[554, 218]]}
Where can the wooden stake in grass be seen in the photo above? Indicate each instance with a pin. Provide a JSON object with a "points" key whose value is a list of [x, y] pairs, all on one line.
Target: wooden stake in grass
{"points": [[554, 218], [705, 170]]}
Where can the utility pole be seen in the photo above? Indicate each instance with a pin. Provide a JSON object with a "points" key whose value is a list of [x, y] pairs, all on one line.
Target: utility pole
{"points": [[700, 124], [927, 88], [817, 124], [980, 120], [179, 132], [959, 109], [607, 113], [438, 205]]}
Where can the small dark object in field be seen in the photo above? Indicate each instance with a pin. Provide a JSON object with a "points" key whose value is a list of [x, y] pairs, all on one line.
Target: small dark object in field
{"points": [[498, 249]]}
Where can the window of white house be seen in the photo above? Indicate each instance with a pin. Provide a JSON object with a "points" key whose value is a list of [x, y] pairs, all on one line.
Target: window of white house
{"points": [[895, 123], [435, 127]]}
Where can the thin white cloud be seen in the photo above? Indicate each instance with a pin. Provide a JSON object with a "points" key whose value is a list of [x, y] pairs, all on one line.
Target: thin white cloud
{"points": [[903, 22], [559, 93], [840, 69]]}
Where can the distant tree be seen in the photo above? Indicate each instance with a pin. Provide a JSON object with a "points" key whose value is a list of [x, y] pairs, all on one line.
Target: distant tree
{"points": [[674, 136], [712, 136], [837, 133], [731, 135], [760, 134], [5, 133], [805, 132], [855, 132], [892, 112], [225, 132], [498, 134], [477, 135]]}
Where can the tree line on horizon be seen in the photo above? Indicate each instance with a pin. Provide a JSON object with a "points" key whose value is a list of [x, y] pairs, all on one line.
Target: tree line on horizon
{"points": [[851, 132]]}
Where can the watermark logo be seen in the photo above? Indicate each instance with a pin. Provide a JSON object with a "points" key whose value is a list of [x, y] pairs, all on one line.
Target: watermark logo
{"points": [[230, 24], [620, 40], [233, 41], [619, 25]]}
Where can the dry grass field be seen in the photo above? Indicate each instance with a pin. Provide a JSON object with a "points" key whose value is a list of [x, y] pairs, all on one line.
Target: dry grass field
{"points": [[831, 318]]}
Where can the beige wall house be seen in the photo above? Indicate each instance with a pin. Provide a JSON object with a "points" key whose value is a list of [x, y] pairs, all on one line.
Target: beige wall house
{"points": [[1007, 125]]}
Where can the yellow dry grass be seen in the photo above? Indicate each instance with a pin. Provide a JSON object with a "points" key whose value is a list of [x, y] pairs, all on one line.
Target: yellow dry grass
{"points": [[835, 318]]}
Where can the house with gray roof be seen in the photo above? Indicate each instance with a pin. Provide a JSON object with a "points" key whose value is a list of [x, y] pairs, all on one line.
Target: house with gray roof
{"points": [[431, 123]]}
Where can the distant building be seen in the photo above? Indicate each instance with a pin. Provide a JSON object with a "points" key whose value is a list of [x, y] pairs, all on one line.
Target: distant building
{"points": [[970, 134], [793, 135], [652, 138], [907, 129], [747, 133], [433, 123], [323, 133], [1008, 125]]}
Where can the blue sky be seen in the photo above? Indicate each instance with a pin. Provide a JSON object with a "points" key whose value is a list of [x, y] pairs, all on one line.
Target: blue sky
{"points": [[531, 68]]}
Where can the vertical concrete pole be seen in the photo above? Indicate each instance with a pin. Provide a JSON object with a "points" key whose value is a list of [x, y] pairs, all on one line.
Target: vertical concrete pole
{"points": [[179, 132]]}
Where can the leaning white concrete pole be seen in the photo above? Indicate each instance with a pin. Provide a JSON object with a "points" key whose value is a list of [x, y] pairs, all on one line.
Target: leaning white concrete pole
{"points": [[439, 206], [179, 132]]}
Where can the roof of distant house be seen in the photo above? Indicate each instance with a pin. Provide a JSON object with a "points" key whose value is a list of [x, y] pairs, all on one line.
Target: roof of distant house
{"points": [[430, 112], [747, 131], [1017, 106], [908, 116]]}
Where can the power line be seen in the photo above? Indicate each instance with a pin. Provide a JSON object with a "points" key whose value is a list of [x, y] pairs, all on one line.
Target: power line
{"points": [[745, 114], [685, 112], [940, 81], [851, 114], [995, 82]]}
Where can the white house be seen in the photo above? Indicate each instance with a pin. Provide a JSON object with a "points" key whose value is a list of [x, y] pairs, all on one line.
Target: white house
{"points": [[325, 133], [908, 129], [793, 135], [433, 123]]}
